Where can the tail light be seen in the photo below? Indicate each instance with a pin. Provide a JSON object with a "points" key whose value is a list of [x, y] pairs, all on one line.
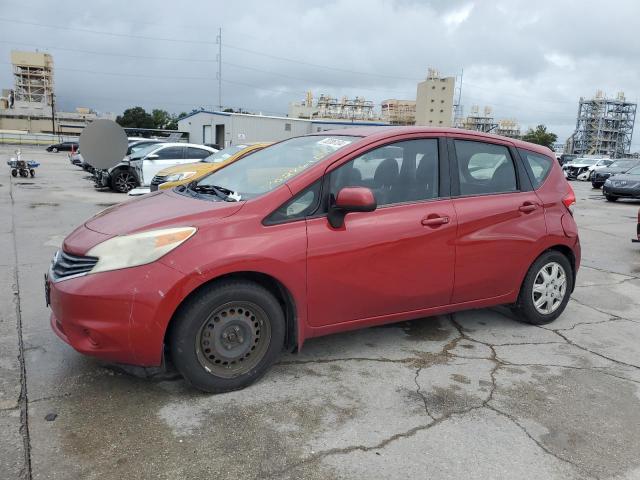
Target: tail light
{"points": [[569, 198]]}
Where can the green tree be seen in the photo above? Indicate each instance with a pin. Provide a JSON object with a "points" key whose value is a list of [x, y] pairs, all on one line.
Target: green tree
{"points": [[540, 136], [135, 117], [161, 118], [173, 123]]}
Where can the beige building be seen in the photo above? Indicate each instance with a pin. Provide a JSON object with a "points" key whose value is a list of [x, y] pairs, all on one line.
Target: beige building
{"points": [[434, 100], [27, 107], [398, 112]]}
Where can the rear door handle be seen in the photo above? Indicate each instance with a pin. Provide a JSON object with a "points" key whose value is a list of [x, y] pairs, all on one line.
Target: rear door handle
{"points": [[527, 207], [434, 221]]}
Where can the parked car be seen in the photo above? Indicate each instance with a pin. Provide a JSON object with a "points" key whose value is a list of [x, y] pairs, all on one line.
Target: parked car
{"points": [[140, 167], [599, 165], [618, 166], [578, 166], [76, 159], [623, 185], [62, 147], [312, 236], [181, 174]]}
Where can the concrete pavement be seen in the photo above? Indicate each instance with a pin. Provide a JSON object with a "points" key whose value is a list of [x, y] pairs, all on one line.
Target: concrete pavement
{"points": [[471, 395]]}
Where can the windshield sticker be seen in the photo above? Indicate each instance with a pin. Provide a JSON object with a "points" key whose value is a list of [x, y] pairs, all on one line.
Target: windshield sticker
{"points": [[334, 142]]}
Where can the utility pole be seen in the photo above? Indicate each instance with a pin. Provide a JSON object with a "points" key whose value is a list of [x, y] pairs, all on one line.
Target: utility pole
{"points": [[53, 115], [219, 75]]}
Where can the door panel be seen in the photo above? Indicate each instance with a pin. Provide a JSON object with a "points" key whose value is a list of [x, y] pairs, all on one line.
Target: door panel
{"points": [[497, 237], [167, 157], [380, 262]]}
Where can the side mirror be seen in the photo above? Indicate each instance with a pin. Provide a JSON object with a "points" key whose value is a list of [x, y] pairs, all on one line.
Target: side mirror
{"points": [[153, 156], [351, 199]]}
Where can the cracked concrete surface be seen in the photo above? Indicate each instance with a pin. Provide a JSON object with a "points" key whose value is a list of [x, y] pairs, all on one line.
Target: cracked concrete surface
{"points": [[471, 395]]}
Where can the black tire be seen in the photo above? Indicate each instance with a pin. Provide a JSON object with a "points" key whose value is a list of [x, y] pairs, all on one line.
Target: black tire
{"points": [[611, 198], [14, 172], [32, 172], [202, 329], [596, 185], [24, 173], [525, 308], [123, 180]]}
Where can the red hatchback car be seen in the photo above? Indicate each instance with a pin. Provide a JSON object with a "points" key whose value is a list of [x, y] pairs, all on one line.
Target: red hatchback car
{"points": [[316, 235]]}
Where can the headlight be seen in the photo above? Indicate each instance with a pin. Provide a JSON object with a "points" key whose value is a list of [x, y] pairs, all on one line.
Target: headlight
{"points": [[137, 249], [176, 177]]}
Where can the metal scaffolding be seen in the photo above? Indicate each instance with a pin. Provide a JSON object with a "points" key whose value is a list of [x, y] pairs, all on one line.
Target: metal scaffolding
{"points": [[480, 122], [33, 78], [604, 126]]}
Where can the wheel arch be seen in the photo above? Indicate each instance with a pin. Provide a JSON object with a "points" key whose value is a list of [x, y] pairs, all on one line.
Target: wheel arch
{"points": [[270, 283], [564, 250]]}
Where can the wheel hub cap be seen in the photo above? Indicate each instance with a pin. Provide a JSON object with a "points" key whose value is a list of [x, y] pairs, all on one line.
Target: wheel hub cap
{"points": [[549, 288]]}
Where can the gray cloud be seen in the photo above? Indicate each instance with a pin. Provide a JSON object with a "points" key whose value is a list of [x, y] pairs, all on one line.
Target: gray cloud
{"points": [[528, 60]]}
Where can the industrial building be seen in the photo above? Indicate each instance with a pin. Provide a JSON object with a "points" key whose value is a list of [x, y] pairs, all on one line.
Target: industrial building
{"points": [[224, 129], [434, 100], [479, 121], [328, 107], [508, 127], [30, 105], [604, 126], [398, 112]]}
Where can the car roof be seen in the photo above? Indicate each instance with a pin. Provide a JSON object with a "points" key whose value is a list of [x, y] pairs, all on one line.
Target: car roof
{"points": [[182, 144], [375, 133]]}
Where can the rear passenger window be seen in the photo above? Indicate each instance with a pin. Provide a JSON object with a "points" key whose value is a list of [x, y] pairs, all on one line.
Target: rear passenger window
{"points": [[197, 152], [396, 173], [540, 166], [484, 168]]}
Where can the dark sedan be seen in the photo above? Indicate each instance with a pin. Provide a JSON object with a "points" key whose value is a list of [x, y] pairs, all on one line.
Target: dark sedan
{"points": [[62, 147], [617, 167], [624, 185]]}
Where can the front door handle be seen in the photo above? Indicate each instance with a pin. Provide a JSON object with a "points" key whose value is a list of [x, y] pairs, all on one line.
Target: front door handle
{"points": [[528, 207], [434, 220]]}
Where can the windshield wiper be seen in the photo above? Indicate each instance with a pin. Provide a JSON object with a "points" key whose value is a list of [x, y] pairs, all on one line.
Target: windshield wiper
{"points": [[224, 193]]}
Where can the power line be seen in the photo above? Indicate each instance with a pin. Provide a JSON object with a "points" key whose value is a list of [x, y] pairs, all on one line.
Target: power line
{"points": [[109, 54], [102, 32]]}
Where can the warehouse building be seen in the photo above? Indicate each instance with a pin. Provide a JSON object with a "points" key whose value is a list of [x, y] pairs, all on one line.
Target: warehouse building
{"points": [[224, 129]]}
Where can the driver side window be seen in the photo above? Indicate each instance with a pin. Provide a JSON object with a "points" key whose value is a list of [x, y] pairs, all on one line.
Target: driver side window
{"points": [[396, 173]]}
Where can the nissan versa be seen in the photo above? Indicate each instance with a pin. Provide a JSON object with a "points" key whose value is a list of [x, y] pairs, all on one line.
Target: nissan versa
{"points": [[316, 235]]}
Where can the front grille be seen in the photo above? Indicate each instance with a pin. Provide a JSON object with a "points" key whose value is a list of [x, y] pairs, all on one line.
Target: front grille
{"points": [[65, 265], [157, 181]]}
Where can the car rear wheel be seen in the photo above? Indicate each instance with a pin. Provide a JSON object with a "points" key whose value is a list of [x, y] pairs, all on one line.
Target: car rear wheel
{"points": [[123, 181], [546, 289], [227, 336], [611, 198]]}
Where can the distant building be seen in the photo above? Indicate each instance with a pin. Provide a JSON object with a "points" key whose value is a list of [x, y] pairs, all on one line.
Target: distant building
{"points": [[480, 122], [398, 112], [30, 105], [508, 127], [328, 107], [225, 128], [603, 126], [434, 100]]}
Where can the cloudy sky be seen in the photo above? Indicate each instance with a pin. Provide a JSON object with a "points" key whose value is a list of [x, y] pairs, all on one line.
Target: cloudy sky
{"points": [[528, 60]]}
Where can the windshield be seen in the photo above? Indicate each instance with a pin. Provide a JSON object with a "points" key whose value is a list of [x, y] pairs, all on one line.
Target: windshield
{"points": [[586, 161], [623, 164], [223, 155], [270, 167]]}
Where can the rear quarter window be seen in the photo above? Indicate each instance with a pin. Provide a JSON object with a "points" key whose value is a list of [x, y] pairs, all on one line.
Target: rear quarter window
{"points": [[538, 165]]}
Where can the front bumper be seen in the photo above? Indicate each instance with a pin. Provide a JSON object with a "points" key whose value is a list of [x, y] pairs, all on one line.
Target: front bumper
{"points": [[621, 192], [119, 316]]}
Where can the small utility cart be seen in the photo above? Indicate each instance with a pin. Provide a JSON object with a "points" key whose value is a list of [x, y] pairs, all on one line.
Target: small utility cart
{"points": [[21, 167]]}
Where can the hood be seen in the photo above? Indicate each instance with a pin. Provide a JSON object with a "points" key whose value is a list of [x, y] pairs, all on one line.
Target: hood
{"points": [[615, 170], [628, 178], [159, 209], [199, 167]]}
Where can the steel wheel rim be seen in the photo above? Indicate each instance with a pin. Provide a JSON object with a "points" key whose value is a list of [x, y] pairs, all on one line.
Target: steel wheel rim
{"points": [[233, 339], [125, 182], [549, 288]]}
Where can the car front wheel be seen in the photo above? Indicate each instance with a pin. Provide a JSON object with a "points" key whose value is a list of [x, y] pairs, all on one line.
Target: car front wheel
{"points": [[546, 289], [611, 198], [123, 181], [227, 336]]}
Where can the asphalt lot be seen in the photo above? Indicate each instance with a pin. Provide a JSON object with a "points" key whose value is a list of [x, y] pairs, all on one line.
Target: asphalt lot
{"points": [[475, 395]]}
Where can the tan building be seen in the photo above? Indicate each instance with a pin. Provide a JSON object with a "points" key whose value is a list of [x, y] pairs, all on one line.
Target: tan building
{"points": [[434, 100], [399, 112], [27, 107]]}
